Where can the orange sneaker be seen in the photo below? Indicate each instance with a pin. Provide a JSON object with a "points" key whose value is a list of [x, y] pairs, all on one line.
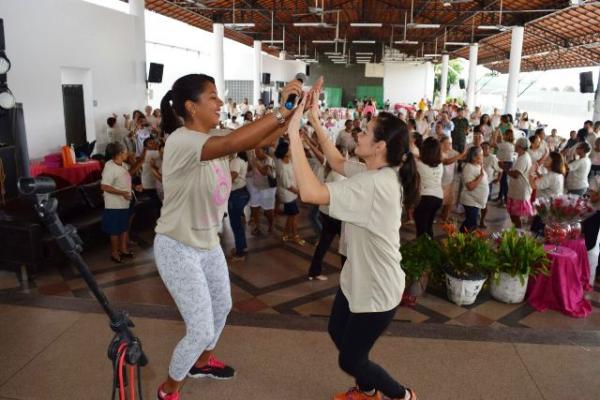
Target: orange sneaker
{"points": [[356, 394]]}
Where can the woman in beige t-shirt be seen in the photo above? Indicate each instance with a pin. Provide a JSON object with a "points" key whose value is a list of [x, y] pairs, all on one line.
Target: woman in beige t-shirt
{"points": [[197, 183], [369, 202]]}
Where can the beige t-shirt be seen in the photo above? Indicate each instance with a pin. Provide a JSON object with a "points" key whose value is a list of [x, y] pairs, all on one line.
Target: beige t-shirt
{"points": [[117, 176], [148, 178], [519, 187], [369, 203], [287, 180], [196, 192]]}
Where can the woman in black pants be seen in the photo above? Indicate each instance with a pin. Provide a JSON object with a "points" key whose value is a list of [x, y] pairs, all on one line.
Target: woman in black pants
{"points": [[430, 171], [369, 202], [331, 228]]}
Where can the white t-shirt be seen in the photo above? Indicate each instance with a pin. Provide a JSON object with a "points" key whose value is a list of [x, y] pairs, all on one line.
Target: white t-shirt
{"points": [[550, 184], [491, 167], [331, 177], [478, 196], [258, 180], [369, 202], [241, 167], [345, 140], [148, 178], [553, 142], [287, 180], [260, 110], [506, 151], [486, 132], [595, 157], [431, 179], [579, 170], [196, 192], [118, 177], [519, 187], [495, 121], [449, 169]]}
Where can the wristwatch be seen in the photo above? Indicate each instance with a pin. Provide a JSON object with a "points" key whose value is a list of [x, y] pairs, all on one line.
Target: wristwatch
{"points": [[280, 117]]}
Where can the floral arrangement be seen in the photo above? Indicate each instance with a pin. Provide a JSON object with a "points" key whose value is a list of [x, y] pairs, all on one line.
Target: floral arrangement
{"points": [[467, 254], [520, 254], [565, 208]]}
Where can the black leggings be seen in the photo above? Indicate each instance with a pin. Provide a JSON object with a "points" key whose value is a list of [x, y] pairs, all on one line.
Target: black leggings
{"points": [[354, 334], [425, 214], [331, 228]]}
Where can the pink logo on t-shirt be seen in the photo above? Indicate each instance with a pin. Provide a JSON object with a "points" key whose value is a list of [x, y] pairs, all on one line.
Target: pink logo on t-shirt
{"points": [[223, 187]]}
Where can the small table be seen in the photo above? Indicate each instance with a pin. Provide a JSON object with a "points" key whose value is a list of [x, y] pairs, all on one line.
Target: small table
{"points": [[563, 290], [78, 174]]}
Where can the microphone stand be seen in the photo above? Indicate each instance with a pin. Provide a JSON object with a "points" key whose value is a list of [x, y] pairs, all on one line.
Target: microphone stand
{"points": [[124, 346]]}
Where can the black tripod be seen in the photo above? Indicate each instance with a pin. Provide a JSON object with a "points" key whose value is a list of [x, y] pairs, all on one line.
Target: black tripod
{"points": [[124, 350]]}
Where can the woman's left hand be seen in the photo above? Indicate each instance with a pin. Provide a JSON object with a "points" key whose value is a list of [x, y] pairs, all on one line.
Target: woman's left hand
{"points": [[294, 125]]}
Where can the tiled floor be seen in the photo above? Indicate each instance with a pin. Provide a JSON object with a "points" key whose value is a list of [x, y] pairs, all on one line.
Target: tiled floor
{"points": [[273, 280]]}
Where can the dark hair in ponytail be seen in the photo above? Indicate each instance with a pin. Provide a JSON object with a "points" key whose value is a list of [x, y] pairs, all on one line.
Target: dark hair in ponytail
{"points": [[172, 105], [394, 132]]}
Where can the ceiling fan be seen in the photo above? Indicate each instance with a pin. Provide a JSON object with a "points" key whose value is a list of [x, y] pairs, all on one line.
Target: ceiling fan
{"points": [[237, 26], [272, 42], [450, 3], [315, 10]]}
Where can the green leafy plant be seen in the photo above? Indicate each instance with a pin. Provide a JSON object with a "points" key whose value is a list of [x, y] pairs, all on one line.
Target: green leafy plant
{"points": [[419, 256], [468, 255], [520, 255]]}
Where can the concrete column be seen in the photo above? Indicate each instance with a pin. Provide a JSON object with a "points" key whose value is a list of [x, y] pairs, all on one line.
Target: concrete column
{"points": [[471, 85], [597, 100], [444, 79], [218, 56], [257, 71], [136, 9], [514, 68]]}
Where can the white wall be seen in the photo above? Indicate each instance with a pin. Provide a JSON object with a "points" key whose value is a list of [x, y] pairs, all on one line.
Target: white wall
{"points": [[184, 49], [45, 38], [408, 82]]}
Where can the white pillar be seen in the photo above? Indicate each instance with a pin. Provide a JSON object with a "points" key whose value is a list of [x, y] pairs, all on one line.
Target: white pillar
{"points": [[514, 68], [136, 9], [219, 67], [597, 101], [257, 71], [473, 49], [444, 79]]}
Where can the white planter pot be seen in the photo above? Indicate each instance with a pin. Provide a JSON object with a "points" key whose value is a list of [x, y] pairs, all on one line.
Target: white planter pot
{"points": [[508, 289], [462, 291]]}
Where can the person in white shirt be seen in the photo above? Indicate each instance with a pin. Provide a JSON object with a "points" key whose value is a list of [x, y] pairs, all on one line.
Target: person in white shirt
{"points": [[523, 124], [232, 123], [475, 189], [554, 141], [518, 201], [430, 170], [493, 171], [244, 107], [262, 186], [595, 157], [449, 159], [577, 177], [142, 133], [552, 182], [288, 195], [422, 125], [538, 153], [149, 158], [150, 117], [476, 116], [496, 119], [345, 139], [505, 154], [485, 124], [260, 109], [116, 188], [238, 199]]}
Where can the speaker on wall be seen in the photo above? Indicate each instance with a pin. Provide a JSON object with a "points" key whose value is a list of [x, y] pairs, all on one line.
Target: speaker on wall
{"points": [[586, 82], [461, 83], [156, 72], [307, 70], [266, 78]]}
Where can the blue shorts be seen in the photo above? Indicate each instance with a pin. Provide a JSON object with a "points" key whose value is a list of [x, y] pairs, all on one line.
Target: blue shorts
{"points": [[115, 221], [291, 208]]}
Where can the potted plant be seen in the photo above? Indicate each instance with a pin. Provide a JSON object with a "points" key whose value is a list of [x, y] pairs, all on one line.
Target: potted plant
{"points": [[519, 256], [419, 257], [467, 258]]}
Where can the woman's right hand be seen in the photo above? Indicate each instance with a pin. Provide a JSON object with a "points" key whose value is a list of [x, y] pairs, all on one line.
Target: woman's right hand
{"points": [[293, 87], [127, 195]]}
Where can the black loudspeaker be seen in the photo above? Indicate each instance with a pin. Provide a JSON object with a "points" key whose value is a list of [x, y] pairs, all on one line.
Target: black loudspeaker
{"points": [[266, 78], [586, 82], [13, 148], [307, 70], [461, 83], [266, 97], [156, 72]]}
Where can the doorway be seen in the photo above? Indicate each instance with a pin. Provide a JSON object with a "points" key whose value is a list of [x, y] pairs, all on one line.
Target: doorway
{"points": [[74, 115]]}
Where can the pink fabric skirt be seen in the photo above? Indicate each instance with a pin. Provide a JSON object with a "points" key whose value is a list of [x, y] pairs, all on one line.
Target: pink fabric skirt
{"points": [[519, 208]]}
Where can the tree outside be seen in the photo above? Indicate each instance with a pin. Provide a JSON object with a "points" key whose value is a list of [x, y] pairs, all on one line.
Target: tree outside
{"points": [[455, 67]]}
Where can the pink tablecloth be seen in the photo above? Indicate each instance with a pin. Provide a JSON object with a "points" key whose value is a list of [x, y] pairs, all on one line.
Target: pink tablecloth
{"points": [[578, 246], [563, 290], [80, 173]]}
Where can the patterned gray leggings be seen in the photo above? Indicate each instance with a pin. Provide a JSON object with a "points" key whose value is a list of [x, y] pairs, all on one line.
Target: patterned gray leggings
{"points": [[198, 281]]}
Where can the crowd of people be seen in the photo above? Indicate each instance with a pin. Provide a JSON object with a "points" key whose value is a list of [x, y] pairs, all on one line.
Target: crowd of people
{"points": [[361, 173]]}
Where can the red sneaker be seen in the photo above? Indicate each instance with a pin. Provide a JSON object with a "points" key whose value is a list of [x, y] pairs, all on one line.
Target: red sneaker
{"points": [[356, 394], [161, 395]]}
